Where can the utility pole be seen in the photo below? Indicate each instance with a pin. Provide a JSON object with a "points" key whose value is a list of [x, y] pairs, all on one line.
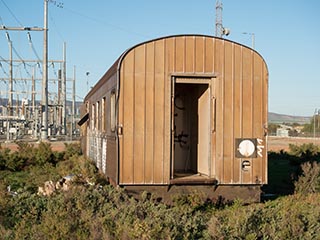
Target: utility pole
{"points": [[73, 100], [10, 100], [64, 91], [40, 111], [44, 102], [33, 101], [252, 38], [314, 123]]}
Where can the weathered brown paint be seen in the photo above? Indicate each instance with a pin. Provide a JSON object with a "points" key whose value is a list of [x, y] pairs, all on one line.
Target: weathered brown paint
{"points": [[238, 107]]}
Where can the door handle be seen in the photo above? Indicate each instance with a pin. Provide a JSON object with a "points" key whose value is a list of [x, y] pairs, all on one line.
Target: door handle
{"points": [[213, 112]]}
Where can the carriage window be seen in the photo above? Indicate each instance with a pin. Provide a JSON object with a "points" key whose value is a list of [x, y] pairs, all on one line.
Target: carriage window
{"points": [[103, 115], [113, 111], [87, 107], [98, 116], [93, 116], [88, 111]]}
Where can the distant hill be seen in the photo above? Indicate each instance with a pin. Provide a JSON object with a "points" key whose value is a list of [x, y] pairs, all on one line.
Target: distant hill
{"points": [[282, 118]]}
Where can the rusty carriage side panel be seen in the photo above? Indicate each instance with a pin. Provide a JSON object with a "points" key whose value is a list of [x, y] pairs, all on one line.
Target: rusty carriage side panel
{"points": [[99, 138]]}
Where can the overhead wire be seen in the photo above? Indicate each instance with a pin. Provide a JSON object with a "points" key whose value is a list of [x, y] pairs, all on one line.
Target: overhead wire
{"points": [[56, 29], [21, 84], [105, 23], [32, 46], [4, 60], [13, 48], [13, 15], [18, 55], [22, 62], [3, 70]]}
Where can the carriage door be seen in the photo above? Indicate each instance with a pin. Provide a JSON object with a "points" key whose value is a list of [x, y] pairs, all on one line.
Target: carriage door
{"points": [[191, 127]]}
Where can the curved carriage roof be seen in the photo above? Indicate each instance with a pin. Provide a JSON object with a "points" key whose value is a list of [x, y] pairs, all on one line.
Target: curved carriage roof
{"points": [[114, 69]]}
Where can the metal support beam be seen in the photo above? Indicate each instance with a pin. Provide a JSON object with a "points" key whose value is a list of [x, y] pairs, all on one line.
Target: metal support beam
{"points": [[44, 102], [2, 27], [64, 91], [73, 99]]}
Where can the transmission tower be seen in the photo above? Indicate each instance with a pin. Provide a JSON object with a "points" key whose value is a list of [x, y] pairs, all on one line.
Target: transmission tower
{"points": [[220, 30], [219, 27]]}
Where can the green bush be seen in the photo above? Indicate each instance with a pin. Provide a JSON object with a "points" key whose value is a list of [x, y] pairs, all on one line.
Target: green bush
{"points": [[92, 209], [305, 152], [104, 212], [292, 217], [71, 150], [309, 181]]}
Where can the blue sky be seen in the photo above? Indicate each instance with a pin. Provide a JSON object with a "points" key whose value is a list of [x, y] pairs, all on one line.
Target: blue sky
{"points": [[287, 35]]}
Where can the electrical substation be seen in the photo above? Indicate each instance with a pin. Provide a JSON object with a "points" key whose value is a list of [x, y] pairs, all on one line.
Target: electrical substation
{"points": [[37, 99]]}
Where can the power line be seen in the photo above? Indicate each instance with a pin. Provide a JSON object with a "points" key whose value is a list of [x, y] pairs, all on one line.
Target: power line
{"points": [[105, 23], [3, 70], [32, 46], [12, 13], [59, 33]]}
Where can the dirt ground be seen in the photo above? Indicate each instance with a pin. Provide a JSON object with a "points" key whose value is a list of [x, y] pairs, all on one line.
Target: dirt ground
{"points": [[282, 143], [274, 143], [55, 145]]}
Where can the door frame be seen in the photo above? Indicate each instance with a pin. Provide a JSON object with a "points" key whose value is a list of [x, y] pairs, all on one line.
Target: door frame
{"points": [[193, 79]]}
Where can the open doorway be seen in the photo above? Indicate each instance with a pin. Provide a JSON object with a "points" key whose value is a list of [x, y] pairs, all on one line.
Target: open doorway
{"points": [[191, 129]]}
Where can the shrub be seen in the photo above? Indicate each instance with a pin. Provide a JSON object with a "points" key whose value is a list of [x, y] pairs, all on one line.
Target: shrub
{"points": [[292, 217], [72, 149], [304, 152], [309, 181], [44, 154]]}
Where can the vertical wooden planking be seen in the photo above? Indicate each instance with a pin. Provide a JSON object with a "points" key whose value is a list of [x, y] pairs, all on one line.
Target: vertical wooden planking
{"points": [[150, 114], [139, 114], [127, 84], [209, 55], [218, 69], [120, 119], [199, 54], [180, 54], [190, 55], [170, 55], [265, 95], [237, 126], [258, 118], [240, 85], [247, 92], [159, 112], [247, 104], [264, 88], [209, 67], [228, 114]]}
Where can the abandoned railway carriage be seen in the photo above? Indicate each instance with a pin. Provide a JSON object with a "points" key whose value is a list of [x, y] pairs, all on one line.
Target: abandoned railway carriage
{"points": [[181, 111]]}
